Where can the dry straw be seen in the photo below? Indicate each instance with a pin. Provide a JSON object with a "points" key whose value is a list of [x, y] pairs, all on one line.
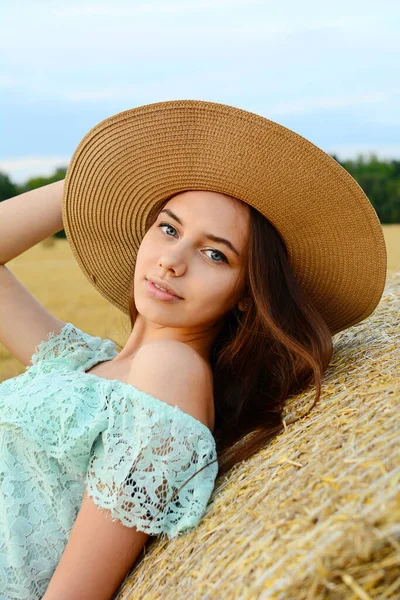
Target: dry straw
{"points": [[315, 514]]}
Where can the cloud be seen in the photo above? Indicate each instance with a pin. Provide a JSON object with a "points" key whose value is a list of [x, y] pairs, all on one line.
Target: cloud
{"points": [[305, 105], [109, 27], [121, 9], [11, 81], [20, 169], [174, 87]]}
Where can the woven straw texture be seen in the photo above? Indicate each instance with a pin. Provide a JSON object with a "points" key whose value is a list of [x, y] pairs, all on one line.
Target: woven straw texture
{"points": [[138, 157], [315, 514]]}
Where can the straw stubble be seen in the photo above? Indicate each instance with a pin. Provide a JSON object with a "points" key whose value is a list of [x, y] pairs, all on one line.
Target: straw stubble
{"points": [[316, 514]]}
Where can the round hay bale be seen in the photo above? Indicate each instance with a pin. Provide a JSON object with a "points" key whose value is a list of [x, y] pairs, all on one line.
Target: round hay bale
{"points": [[316, 514]]}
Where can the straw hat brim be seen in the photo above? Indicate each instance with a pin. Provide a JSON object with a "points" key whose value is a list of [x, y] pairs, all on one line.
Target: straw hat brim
{"points": [[135, 158]]}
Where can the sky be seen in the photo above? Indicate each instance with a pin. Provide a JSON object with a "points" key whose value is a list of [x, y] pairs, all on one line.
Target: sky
{"points": [[330, 71]]}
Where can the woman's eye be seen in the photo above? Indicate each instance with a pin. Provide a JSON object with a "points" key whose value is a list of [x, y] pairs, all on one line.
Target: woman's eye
{"points": [[223, 257], [166, 225]]}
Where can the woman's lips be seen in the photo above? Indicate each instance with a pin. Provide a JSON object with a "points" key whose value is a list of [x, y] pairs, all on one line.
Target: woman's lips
{"points": [[159, 294]]}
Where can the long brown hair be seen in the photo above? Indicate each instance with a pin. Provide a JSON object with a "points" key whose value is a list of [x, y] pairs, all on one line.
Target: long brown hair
{"points": [[265, 355]]}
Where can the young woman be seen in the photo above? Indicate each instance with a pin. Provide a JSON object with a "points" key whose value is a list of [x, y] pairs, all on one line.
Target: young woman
{"points": [[237, 248]]}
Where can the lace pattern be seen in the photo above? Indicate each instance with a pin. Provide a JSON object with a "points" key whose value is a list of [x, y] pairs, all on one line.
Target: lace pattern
{"points": [[144, 457], [74, 347], [62, 429]]}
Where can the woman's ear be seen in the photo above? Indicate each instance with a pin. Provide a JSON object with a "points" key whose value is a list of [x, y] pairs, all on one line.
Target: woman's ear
{"points": [[244, 304]]}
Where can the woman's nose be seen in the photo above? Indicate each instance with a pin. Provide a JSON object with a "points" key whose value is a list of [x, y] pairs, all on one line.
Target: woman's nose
{"points": [[173, 261], [175, 256]]}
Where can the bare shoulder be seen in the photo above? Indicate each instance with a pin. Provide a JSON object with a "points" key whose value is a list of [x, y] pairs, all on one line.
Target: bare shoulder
{"points": [[169, 354], [174, 373]]}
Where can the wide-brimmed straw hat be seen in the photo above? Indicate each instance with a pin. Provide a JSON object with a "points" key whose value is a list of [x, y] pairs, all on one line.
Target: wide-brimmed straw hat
{"points": [[136, 158]]}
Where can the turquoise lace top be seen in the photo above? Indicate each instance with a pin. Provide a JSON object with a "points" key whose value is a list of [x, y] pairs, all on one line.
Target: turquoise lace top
{"points": [[62, 429]]}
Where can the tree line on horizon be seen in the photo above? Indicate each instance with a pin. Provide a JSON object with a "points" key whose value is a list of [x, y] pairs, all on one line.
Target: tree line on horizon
{"points": [[379, 179]]}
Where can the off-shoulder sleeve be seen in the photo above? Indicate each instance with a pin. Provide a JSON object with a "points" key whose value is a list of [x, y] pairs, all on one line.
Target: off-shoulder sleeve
{"points": [[75, 347], [139, 464]]}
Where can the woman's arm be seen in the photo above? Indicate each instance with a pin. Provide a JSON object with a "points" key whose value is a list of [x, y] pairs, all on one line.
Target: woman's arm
{"points": [[24, 221], [97, 557], [29, 218], [100, 553]]}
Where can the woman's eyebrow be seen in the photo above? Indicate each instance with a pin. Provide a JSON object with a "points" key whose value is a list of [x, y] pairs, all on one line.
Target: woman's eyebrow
{"points": [[209, 236]]}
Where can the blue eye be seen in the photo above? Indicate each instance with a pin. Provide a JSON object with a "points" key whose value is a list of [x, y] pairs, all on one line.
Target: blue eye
{"points": [[223, 257]]}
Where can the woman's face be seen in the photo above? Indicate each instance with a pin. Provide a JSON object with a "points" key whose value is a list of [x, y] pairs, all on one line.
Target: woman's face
{"points": [[206, 273]]}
